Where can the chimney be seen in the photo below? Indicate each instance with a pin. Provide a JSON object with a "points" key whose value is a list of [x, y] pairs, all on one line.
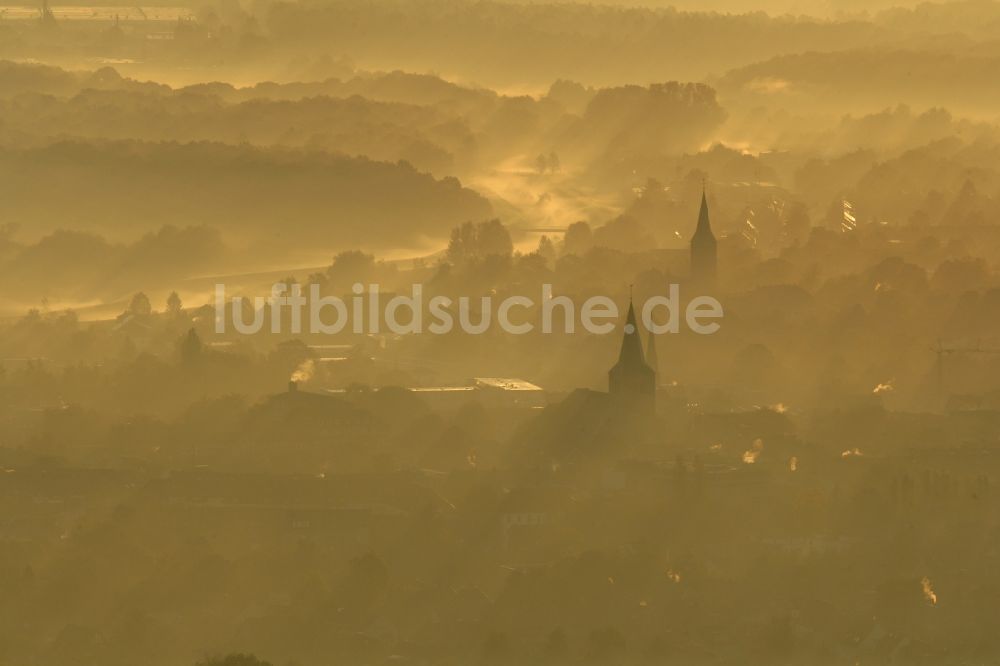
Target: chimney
{"points": [[293, 386]]}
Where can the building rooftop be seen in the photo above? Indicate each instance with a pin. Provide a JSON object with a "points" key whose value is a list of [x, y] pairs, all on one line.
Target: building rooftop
{"points": [[505, 384]]}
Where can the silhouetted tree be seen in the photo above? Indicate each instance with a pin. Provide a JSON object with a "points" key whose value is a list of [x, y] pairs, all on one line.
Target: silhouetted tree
{"points": [[350, 267], [174, 304], [579, 239], [190, 347], [554, 164], [139, 306], [546, 249], [473, 242], [542, 163]]}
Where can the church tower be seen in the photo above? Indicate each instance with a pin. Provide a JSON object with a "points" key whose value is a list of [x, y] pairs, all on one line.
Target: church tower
{"points": [[631, 382], [704, 254], [652, 358]]}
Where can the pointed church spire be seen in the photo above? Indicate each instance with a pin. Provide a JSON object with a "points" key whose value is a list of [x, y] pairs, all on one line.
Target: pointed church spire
{"points": [[703, 248], [631, 381], [704, 227], [631, 350]]}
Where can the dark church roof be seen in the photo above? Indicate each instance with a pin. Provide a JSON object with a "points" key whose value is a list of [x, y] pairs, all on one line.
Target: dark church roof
{"points": [[704, 229], [631, 351], [632, 383], [652, 358]]}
